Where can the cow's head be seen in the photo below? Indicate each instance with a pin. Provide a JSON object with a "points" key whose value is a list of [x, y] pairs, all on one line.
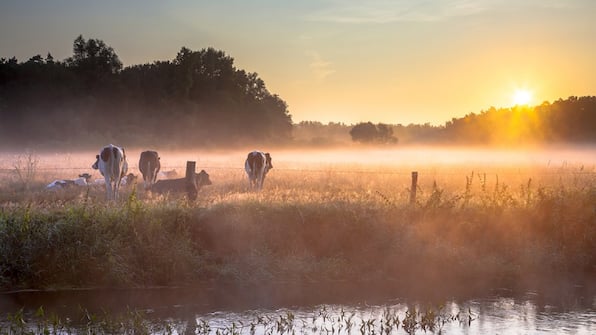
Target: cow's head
{"points": [[95, 165], [130, 179], [86, 176], [268, 164], [203, 179]]}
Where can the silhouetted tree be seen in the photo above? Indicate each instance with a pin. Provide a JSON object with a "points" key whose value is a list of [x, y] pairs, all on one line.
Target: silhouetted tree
{"points": [[198, 97], [369, 133], [385, 134], [93, 61], [364, 132], [95, 54]]}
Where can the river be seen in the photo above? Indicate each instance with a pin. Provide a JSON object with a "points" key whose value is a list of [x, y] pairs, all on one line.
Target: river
{"points": [[303, 309]]}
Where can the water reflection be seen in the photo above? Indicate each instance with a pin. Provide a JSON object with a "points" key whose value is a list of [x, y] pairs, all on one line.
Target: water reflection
{"points": [[498, 315], [249, 310]]}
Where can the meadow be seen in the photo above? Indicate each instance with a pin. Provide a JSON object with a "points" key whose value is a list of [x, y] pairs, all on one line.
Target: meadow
{"points": [[481, 219]]}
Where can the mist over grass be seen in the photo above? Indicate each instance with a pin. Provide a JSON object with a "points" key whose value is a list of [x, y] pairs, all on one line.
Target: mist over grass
{"points": [[481, 219]]}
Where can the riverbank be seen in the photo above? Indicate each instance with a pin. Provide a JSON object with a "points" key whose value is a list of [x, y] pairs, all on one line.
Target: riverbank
{"points": [[446, 240]]}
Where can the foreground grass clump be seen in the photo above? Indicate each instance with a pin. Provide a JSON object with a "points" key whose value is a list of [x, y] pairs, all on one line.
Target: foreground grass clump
{"points": [[324, 227], [88, 245]]}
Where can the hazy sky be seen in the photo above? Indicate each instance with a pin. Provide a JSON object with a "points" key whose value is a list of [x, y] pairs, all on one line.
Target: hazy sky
{"points": [[353, 60]]}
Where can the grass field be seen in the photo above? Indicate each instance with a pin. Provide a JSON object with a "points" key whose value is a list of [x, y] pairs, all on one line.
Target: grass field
{"points": [[481, 218]]}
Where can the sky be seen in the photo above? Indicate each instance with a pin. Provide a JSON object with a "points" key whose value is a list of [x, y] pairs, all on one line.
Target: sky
{"points": [[350, 61]]}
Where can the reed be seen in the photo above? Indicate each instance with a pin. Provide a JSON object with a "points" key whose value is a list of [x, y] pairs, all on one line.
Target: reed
{"points": [[410, 319]]}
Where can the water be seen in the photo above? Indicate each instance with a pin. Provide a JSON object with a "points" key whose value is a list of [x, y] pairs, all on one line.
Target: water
{"points": [[302, 309]]}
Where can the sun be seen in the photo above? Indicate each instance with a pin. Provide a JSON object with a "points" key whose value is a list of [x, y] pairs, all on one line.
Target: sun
{"points": [[522, 97]]}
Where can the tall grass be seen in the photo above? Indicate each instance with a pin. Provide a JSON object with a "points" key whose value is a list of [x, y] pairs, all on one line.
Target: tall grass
{"points": [[497, 226]]}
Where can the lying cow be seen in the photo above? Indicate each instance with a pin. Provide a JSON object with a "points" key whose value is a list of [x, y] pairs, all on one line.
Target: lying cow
{"points": [[181, 185], [170, 174], [257, 165], [83, 180], [129, 179], [111, 162], [149, 166]]}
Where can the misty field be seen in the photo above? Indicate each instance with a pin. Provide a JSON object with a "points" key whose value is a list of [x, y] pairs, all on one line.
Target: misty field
{"points": [[482, 218]]}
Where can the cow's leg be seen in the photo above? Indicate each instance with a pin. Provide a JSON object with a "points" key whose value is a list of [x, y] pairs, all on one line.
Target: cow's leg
{"points": [[109, 188], [249, 173], [116, 188], [258, 181], [252, 179], [153, 178], [147, 176], [262, 176]]}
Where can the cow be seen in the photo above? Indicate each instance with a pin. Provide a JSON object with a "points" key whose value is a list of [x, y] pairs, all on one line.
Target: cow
{"points": [[149, 166], [170, 174], [111, 163], [180, 185], [83, 180], [257, 165], [129, 179]]}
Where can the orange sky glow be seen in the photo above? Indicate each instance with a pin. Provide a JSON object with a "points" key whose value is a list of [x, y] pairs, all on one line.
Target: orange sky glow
{"points": [[344, 61]]}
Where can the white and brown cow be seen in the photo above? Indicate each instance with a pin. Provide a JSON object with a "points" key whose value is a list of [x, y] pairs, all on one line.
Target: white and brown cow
{"points": [[83, 180], [257, 165], [111, 163], [149, 166], [181, 185]]}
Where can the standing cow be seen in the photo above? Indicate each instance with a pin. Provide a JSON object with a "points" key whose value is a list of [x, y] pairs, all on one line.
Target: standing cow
{"points": [[111, 163], [149, 165], [257, 165]]}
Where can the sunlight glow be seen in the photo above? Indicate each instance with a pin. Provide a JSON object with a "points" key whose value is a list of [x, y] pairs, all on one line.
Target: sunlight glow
{"points": [[522, 97]]}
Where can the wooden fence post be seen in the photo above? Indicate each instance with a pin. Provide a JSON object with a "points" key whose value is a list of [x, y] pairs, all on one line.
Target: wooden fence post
{"points": [[413, 187], [191, 185]]}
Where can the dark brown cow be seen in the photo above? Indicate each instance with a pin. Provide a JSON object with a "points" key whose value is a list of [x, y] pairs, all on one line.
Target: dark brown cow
{"points": [[149, 166], [181, 185]]}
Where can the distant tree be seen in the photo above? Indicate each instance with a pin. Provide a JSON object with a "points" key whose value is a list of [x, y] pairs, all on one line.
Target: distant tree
{"points": [[385, 134], [364, 132], [367, 132], [319, 134], [50, 58], [94, 61], [185, 65], [94, 53], [37, 59]]}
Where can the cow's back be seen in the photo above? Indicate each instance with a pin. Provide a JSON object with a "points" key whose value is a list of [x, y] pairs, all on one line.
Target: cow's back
{"points": [[257, 165], [112, 164], [149, 165], [254, 164], [117, 163]]}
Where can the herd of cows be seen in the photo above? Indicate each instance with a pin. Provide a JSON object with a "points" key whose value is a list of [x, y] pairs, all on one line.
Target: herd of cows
{"points": [[113, 166]]}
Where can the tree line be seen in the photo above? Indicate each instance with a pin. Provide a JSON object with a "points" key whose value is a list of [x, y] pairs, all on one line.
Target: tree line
{"points": [[564, 121], [197, 99], [200, 98]]}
